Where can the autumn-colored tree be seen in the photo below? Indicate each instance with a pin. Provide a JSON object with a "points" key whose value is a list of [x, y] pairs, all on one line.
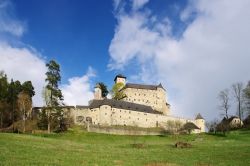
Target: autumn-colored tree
{"points": [[117, 92], [25, 106]]}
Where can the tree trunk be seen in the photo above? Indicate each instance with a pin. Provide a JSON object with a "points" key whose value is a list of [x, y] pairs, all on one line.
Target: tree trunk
{"points": [[1, 120], [49, 120]]}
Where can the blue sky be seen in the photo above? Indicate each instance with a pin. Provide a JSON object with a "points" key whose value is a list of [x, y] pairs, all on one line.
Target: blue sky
{"points": [[189, 46], [78, 33]]}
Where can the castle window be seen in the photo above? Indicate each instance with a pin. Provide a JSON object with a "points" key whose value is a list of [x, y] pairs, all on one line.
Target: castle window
{"points": [[135, 94], [146, 120], [120, 116], [105, 107], [129, 111], [138, 118], [105, 113], [120, 110]]}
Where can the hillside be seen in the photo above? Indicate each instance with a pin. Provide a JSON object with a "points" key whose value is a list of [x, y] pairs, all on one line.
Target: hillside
{"points": [[77, 147]]}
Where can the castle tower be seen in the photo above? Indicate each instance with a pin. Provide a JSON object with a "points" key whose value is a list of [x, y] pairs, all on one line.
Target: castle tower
{"points": [[200, 122], [120, 78], [98, 92]]}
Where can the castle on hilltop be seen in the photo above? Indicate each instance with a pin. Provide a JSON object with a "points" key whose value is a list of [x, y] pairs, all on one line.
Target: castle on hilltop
{"points": [[143, 106]]}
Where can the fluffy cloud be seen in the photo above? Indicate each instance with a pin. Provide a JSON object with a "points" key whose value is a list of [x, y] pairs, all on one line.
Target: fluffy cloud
{"points": [[20, 63], [78, 91], [24, 64], [211, 54]]}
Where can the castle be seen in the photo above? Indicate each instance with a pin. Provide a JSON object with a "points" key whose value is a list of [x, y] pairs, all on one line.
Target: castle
{"points": [[143, 106]]}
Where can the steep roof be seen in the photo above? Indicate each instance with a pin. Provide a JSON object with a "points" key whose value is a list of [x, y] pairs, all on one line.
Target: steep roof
{"points": [[199, 116], [120, 76], [190, 126], [141, 86], [122, 105]]}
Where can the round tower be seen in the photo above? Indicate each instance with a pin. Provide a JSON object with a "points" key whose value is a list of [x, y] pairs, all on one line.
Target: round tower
{"points": [[200, 122], [98, 92], [120, 78]]}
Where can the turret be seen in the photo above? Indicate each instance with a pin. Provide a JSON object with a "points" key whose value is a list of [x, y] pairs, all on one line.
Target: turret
{"points": [[120, 78], [98, 92], [200, 122]]}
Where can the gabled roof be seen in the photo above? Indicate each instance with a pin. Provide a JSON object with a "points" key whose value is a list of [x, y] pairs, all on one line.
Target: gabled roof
{"points": [[199, 116], [141, 86], [122, 105]]}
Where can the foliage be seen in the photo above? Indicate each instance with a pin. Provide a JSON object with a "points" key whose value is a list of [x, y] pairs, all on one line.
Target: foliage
{"points": [[246, 92], [53, 97], [10, 108], [104, 89], [117, 92]]}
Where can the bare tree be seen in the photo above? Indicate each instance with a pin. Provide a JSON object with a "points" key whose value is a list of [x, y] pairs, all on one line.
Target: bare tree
{"points": [[224, 101], [25, 104], [238, 94]]}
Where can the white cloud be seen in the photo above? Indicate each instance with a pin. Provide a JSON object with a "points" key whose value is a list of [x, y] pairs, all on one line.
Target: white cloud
{"points": [[137, 4], [212, 54], [20, 63], [8, 23], [78, 91], [23, 64]]}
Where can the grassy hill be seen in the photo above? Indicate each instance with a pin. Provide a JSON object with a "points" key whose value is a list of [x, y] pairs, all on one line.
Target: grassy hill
{"points": [[77, 147]]}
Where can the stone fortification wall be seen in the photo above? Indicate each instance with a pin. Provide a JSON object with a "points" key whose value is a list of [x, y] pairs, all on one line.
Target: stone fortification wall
{"points": [[108, 116], [154, 98]]}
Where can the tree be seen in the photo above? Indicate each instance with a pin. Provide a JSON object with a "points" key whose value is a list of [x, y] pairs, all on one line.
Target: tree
{"points": [[28, 88], [117, 92], [224, 101], [25, 105], [238, 94], [55, 100], [104, 89], [246, 92], [3, 96]]}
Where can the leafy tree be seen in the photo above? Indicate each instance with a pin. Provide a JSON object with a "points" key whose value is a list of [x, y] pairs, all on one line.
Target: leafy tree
{"points": [[55, 99], [224, 101], [104, 89], [117, 92]]}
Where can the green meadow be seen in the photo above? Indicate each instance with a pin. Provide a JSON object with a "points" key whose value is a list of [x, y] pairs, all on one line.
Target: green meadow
{"points": [[78, 147]]}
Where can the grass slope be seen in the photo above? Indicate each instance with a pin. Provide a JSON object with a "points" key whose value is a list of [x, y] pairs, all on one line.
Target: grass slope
{"points": [[77, 147]]}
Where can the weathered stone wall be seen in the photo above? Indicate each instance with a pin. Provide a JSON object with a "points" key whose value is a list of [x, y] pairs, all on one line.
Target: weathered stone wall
{"points": [[154, 98], [107, 116]]}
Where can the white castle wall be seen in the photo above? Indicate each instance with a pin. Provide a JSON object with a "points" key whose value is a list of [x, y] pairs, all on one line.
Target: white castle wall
{"points": [[107, 116], [153, 98]]}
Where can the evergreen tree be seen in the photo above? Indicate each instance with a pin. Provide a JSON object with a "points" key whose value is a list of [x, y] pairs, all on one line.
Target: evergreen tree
{"points": [[104, 89], [28, 88], [3, 96], [55, 99]]}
